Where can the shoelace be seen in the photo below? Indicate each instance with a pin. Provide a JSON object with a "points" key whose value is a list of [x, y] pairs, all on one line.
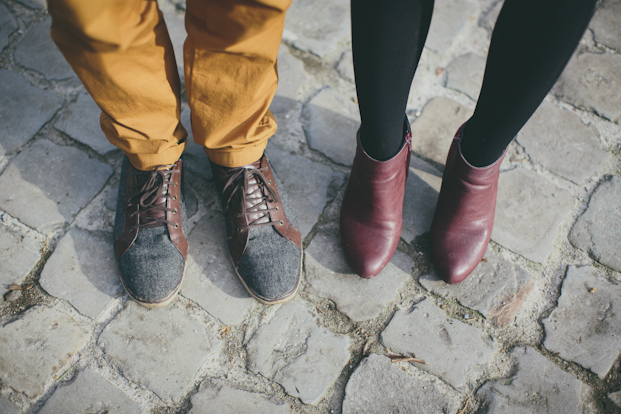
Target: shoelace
{"points": [[238, 182], [146, 196]]}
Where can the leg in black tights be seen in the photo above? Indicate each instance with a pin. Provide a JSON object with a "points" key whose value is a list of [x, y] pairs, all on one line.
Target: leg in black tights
{"points": [[532, 42], [388, 39]]}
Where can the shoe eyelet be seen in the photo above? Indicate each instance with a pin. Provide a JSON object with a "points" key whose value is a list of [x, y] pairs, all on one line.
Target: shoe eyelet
{"points": [[276, 208], [239, 229], [176, 226], [176, 184], [269, 182], [282, 222], [174, 197], [175, 211]]}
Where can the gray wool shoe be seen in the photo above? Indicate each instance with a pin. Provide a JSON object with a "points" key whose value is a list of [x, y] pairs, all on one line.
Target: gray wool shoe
{"points": [[264, 244], [149, 240]]}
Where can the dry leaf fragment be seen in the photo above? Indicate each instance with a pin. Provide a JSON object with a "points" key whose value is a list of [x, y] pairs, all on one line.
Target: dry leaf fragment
{"points": [[592, 290], [296, 388], [225, 330], [403, 358], [15, 287]]}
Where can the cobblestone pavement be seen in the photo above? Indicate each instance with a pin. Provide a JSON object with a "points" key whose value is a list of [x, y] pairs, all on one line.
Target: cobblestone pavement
{"points": [[535, 329]]}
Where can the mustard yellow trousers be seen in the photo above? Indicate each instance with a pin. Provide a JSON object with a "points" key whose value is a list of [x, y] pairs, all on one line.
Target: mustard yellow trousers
{"points": [[121, 51]]}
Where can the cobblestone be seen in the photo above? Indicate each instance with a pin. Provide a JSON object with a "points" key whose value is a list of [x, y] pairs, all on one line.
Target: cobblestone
{"points": [[318, 26], [310, 185], [465, 74], [585, 327], [593, 82], [616, 398], [160, 349], [497, 288], [329, 276], [25, 109], [89, 393], [38, 52], [559, 140], [605, 25], [433, 131], [18, 255], [538, 387], [301, 356], [81, 122], [47, 185], [449, 18], [332, 124], [597, 229], [7, 26], [529, 212], [83, 271], [210, 279], [456, 352], [36, 347], [421, 195], [223, 399], [379, 386]]}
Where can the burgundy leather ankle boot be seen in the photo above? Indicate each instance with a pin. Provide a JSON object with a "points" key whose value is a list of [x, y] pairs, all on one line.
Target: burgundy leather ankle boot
{"points": [[464, 217], [372, 208]]}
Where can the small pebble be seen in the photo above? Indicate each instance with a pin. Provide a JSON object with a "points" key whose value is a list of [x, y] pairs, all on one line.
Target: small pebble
{"points": [[466, 316], [12, 295]]}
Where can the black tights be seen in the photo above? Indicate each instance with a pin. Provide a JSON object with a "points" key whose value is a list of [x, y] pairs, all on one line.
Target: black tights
{"points": [[532, 42]]}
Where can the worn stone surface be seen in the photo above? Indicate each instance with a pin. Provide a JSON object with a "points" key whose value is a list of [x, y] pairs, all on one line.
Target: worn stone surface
{"points": [[332, 121], [421, 195], [465, 74], [488, 20], [537, 387], [559, 140], [161, 349], [585, 326], [605, 24], [89, 393], [433, 131], [81, 122], [592, 82], [34, 4], [47, 184], [224, 399], [597, 229], [317, 26], [7, 26], [24, 110], [616, 398], [456, 352], [379, 386], [18, 255], [7, 407], [210, 279], [328, 275], [36, 347], [291, 76], [529, 212], [497, 288], [294, 351], [83, 271], [38, 52], [309, 185], [449, 18], [345, 68], [194, 156]]}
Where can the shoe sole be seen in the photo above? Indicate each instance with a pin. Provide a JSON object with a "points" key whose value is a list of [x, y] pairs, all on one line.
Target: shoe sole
{"points": [[267, 301], [161, 302]]}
